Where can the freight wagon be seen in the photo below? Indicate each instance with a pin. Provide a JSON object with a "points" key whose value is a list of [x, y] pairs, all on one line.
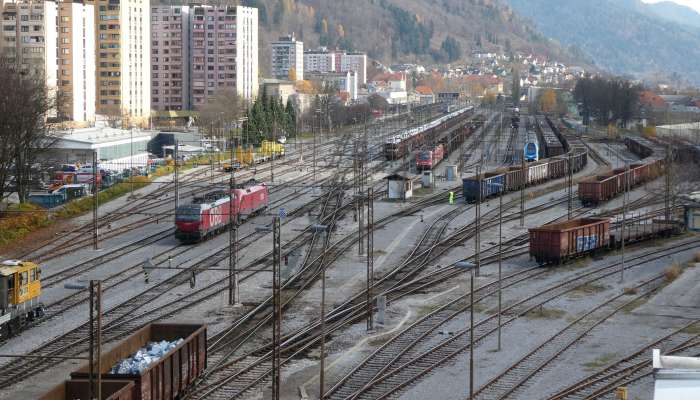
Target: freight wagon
{"points": [[210, 214], [398, 146], [601, 188], [512, 179], [166, 378], [79, 389], [559, 242], [551, 142]]}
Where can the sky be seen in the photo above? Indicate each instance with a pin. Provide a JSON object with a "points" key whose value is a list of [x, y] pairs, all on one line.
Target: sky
{"points": [[695, 4]]}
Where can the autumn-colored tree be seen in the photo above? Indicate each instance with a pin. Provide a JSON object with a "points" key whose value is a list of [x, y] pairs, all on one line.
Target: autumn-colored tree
{"points": [[548, 101], [489, 99], [307, 87], [292, 74], [340, 31]]}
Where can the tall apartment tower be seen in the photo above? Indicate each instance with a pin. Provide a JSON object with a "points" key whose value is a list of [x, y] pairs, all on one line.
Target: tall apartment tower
{"points": [[288, 54], [76, 60], [28, 38], [223, 52], [123, 58], [170, 58], [54, 42]]}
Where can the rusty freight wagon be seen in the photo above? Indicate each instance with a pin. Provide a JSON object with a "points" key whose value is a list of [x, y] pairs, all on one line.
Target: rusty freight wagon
{"points": [[555, 243], [79, 389], [167, 377]]}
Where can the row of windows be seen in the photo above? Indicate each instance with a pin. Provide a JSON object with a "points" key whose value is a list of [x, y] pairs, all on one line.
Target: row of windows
{"points": [[166, 91], [211, 27]]}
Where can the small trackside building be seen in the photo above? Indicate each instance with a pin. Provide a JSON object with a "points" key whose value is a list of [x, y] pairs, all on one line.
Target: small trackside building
{"points": [[399, 186]]}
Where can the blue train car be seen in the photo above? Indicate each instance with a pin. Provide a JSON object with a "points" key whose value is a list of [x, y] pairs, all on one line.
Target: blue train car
{"points": [[531, 150], [491, 185]]}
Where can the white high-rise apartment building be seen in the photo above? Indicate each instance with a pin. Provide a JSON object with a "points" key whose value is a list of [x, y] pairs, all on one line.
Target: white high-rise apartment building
{"points": [[247, 52], [287, 55], [123, 59], [76, 60], [54, 42]]}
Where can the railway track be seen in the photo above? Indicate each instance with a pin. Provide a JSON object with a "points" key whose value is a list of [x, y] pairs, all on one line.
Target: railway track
{"points": [[412, 366], [633, 367], [511, 382]]}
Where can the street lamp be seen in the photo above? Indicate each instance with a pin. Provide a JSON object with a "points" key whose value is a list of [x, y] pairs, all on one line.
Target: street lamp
{"points": [[469, 268], [318, 228]]}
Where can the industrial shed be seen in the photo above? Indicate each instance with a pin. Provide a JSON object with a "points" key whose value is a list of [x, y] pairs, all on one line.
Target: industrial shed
{"points": [[399, 186]]}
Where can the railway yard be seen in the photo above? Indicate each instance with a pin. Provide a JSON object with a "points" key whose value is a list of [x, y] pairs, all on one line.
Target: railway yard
{"points": [[492, 277]]}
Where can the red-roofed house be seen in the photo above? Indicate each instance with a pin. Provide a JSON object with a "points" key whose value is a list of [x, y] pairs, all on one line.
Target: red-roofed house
{"points": [[425, 95], [652, 101]]}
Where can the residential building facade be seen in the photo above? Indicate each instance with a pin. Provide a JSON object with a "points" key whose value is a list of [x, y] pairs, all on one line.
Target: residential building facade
{"points": [[324, 60], [76, 61], [223, 52], [341, 81], [320, 60], [170, 58], [288, 55], [355, 62], [55, 43], [29, 31], [123, 59]]}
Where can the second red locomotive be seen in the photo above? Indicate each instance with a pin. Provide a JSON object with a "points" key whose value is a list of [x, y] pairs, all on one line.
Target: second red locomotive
{"points": [[428, 159], [210, 214]]}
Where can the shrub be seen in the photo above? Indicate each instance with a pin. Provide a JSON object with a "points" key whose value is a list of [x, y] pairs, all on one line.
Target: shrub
{"points": [[673, 272]]}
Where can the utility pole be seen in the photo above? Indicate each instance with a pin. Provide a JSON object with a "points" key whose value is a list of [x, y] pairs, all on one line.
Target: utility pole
{"points": [[274, 145], [95, 338], [471, 335], [522, 191], [370, 257], [360, 206], [176, 176], [667, 193], [318, 117], [477, 221], [625, 195], [95, 202], [232, 235], [500, 259], [277, 308], [570, 182], [131, 164]]}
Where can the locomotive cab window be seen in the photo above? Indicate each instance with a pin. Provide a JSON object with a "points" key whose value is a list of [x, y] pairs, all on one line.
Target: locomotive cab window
{"points": [[11, 281], [32, 275], [23, 278]]}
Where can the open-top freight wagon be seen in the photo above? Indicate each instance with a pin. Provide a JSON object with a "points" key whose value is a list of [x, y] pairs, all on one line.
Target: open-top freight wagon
{"points": [[600, 188], [514, 178], [167, 377], [559, 242]]}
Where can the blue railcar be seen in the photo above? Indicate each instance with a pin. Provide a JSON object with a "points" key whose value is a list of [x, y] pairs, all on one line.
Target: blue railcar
{"points": [[531, 150], [491, 185]]}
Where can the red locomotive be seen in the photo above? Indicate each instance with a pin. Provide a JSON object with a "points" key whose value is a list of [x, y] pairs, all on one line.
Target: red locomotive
{"points": [[210, 214], [428, 159]]}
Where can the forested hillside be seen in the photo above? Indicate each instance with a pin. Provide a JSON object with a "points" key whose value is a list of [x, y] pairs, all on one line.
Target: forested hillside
{"points": [[402, 30]]}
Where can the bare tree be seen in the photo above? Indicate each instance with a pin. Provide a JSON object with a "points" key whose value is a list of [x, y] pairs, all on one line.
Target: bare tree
{"points": [[224, 107], [24, 106]]}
